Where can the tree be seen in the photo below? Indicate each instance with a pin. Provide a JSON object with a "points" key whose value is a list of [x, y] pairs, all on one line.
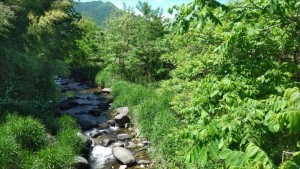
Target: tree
{"points": [[133, 44]]}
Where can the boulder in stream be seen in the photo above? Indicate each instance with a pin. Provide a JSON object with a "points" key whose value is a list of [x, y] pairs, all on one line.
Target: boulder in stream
{"points": [[106, 90], [122, 110], [143, 162], [81, 163], [123, 167], [104, 125], [123, 137], [121, 120], [124, 155], [107, 142]]}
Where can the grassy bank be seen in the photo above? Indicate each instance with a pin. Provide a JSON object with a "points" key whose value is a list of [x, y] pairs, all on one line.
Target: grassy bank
{"points": [[151, 113], [26, 143]]}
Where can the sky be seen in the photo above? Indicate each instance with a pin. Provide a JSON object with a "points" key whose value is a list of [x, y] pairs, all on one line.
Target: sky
{"points": [[164, 4]]}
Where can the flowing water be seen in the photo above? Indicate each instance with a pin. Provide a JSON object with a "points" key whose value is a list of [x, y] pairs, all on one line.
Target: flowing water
{"points": [[90, 107]]}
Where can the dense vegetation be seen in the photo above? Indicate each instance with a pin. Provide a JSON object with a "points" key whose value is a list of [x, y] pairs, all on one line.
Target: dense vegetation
{"points": [[217, 87], [228, 78], [36, 37]]}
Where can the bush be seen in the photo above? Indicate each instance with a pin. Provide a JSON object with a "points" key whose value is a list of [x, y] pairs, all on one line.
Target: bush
{"points": [[106, 78], [55, 157], [61, 154], [67, 122], [69, 137], [127, 94], [29, 133], [10, 151]]}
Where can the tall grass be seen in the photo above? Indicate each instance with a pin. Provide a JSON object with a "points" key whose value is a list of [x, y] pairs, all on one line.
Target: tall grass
{"points": [[10, 151], [29, 133], [24, 143], [151, 112]]}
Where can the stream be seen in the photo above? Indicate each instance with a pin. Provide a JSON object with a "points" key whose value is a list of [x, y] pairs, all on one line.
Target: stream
{"points": [[111, 140]]}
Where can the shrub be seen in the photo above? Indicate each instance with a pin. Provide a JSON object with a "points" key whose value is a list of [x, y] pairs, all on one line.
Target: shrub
{"points": [[28, 132], [10, 151], [67, 122], [55, 157], [127, 94], [68, 137]]}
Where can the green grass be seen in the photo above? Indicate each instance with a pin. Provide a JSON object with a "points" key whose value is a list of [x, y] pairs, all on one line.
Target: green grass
{"points": [[151, 113], [29, 133], [24, 143], [10, 151]]}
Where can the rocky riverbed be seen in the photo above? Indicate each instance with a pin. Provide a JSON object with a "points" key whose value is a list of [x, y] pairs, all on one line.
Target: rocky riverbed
{"points": [[112, 142]]}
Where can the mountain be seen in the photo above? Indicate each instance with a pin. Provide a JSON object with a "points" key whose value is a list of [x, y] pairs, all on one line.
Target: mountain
{"points": [[98, 11]]}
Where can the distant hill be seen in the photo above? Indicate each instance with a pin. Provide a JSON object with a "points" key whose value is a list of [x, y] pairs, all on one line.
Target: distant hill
{"points": [[98, 11]]}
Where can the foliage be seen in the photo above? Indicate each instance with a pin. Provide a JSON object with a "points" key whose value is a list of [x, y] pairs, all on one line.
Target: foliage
{"points": [[236, 78], [133, 45], [28, 132], [10, 151]]}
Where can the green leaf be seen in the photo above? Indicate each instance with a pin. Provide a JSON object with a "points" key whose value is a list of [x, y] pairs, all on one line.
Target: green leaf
{"points": [[233, 158], [289, 165], [213, 149], [297, 5], [203, 156]]}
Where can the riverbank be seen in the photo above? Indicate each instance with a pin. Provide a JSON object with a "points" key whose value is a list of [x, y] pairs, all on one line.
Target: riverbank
{"points": [[112, 141], [153, 116]]}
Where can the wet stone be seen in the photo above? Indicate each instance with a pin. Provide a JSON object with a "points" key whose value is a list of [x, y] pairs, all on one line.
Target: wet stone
{"points": [[95, 134], [123, 137], [111, 122], [107, 142], [143, 162], [104, 125]]}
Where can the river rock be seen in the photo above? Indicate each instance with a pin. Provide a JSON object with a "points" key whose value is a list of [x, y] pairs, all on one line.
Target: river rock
{"points": [[95, 133], [124, 155], [143, 162], [121, 120], [106, 90], [123, 137], [111, 122], [104, 125], [146, 143], [81, 163], [131, 145], [122, 110], [118, 144], [123, 167], [107, 142]]}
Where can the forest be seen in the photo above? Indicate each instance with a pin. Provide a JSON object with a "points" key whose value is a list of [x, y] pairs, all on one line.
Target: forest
{"points": [[215, 87]]}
